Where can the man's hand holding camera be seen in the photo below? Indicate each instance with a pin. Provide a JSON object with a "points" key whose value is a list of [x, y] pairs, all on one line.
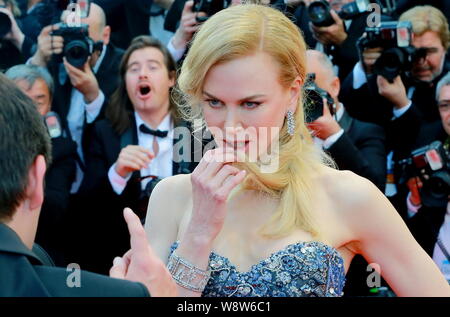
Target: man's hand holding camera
{"points": [[188, 26], [394, 92], [325, 126], [83, 80], [334, 34], [47, 46], [16, 35]]}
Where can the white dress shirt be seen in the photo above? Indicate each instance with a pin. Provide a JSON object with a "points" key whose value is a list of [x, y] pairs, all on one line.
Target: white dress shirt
{"points": [[161, 165]]}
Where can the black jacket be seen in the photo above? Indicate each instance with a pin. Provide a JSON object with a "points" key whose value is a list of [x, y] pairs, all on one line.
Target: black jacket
{"points": [[402, 133], [23, 275], [58, 181], [361, 150]]}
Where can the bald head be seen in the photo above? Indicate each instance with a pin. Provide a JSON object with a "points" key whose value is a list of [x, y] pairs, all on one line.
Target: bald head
{"points": [[319, 64], [96, 18], [98, 30]]}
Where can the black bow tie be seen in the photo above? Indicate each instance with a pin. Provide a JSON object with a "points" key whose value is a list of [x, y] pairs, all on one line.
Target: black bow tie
{"points": [[158, 133]]}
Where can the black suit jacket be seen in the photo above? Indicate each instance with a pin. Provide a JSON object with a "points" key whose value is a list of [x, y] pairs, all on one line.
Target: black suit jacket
{"points": [[22, 274], [58, 181], [402, 133], [361, 150]]}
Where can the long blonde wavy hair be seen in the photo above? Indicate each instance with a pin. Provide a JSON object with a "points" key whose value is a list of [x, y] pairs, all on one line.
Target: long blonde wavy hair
{"points": [[241, 31]]}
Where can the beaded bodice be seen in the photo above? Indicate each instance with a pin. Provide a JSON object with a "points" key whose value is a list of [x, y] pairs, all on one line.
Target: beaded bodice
{"points": [[300, 269]]}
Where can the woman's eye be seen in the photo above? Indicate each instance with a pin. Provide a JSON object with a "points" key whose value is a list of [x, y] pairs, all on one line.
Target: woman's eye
{"points": [[251, 105], [213, 103]]}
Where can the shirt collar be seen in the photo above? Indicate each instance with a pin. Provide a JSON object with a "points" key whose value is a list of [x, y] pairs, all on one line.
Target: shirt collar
{"points": [[165, 125], [100, 59], [340, 112]]}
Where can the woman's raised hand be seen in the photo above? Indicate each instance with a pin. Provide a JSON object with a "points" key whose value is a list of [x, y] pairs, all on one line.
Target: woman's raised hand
{"points": [[212, 181]]}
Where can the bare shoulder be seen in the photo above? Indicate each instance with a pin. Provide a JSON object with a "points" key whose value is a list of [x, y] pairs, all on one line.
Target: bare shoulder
{"points": [[172, 195], [177, 184], [348, 190]]}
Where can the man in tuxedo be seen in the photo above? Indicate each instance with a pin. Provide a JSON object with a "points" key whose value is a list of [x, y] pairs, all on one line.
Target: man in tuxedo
{"points": [[354, 145], [25, 148], [81, 93], [134, 147]]}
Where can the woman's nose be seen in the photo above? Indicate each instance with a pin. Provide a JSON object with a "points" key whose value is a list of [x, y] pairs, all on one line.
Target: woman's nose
{"points": [[232, 120]]}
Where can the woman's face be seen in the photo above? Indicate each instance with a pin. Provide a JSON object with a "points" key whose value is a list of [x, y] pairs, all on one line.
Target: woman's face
{"points": [[147, 80], [244, 103]]}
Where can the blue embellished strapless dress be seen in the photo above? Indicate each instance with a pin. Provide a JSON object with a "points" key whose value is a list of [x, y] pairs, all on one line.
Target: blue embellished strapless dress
{"points": [[300, 269]]}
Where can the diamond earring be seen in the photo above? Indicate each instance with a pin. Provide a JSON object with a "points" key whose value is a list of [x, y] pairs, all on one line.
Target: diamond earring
{"points": [[290, 122]]}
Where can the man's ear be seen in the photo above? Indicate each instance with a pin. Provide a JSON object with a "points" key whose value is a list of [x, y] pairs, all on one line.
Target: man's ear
{"points": [[295, 90], [335, 87], [35, 184], [106, 34]]}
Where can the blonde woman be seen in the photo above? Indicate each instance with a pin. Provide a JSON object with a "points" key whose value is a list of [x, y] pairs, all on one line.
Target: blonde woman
{"points": [[228, 229]]}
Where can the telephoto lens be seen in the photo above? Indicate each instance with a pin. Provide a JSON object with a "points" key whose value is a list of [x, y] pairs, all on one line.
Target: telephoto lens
{"points": [[320, 13]]}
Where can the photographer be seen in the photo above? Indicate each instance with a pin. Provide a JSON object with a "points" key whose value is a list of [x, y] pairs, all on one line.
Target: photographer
{"points": [[337, 38], [429, 220], [354, 145], [15, 46], [37, 84], [408, 100], [80, 91]]}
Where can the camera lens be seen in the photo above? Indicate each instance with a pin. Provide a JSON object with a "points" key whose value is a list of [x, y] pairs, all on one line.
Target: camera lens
{"points": [[76, 53], [314, 105], [5, 24], [390, 63], [319, 13], [435, 190]]}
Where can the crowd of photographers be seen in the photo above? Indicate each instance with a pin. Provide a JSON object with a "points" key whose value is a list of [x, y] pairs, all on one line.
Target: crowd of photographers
{"points": [[377, 96]]}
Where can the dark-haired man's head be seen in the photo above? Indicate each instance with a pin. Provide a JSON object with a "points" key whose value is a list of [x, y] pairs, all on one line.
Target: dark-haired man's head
{"points": [[25, 151]]}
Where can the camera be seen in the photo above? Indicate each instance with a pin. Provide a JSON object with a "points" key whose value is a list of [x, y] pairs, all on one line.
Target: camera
{"points": [[5, 24], [314, 96], [210, 7], [398, 53], [52, 122], [320, 11], [78, 46], [432, 165]]}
